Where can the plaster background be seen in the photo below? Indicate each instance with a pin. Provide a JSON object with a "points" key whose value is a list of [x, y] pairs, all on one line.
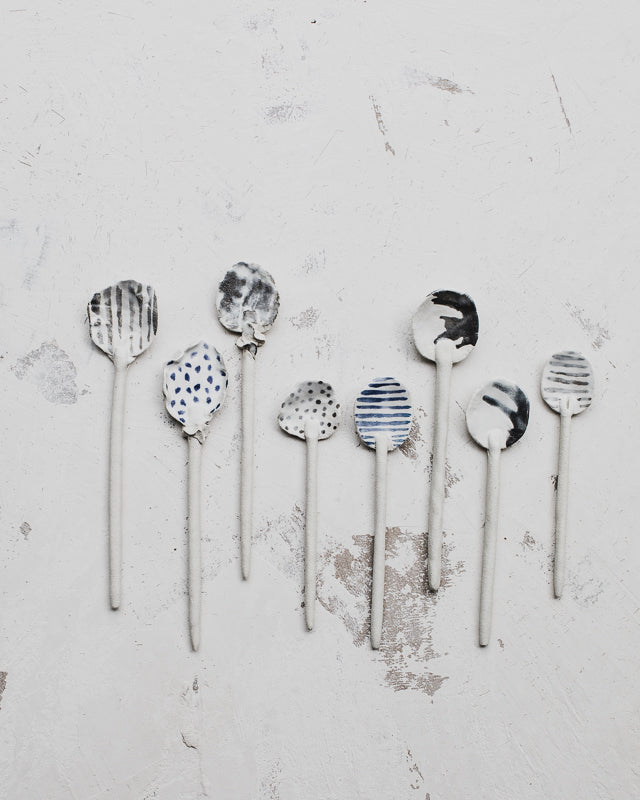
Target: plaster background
{"points": [[365, 153]]}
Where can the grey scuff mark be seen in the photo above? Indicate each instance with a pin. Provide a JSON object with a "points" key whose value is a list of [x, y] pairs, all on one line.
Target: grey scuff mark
{"points": [[416, 77], [417, 779], [3, 684], [501, 643], [585, 591], [528, 542], [52, 371], [381, 125], [189, 740], [344, 581], [324, 346], [260, 21], [600, 335], [33, 270], [564, 113], [306, 318], [315, 262], [25, 529], [285, 112]]}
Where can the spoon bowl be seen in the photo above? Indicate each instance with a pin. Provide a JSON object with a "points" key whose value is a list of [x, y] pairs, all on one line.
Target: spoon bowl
{"points": [[446, 315]]}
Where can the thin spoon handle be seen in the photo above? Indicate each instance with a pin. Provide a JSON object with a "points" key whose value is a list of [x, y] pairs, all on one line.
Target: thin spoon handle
{"points": [[115, 482], [195, 556], [490, 541], [311, 530], [562, 497], [246, 480], [440, 430], [379, 542]]}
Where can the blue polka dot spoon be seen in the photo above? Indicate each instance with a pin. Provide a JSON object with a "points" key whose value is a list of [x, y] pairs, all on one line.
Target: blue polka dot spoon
{"points": [[310, 412], [247, 303], [195, 385], [123, 320], [497, 417], [383, 420]]}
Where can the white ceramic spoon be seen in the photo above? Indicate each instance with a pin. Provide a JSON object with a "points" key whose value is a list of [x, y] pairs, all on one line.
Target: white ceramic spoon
{"points": [[123, 320], [567, 388], [195, 385], [497, 416], [445, 330], [247, 303], [383, 421], [310, 412]]}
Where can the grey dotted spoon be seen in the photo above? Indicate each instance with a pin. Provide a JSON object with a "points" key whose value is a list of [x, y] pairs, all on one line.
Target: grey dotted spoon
{"points": [[497, 417], [445, 330], [567, 388], [310, 412]]}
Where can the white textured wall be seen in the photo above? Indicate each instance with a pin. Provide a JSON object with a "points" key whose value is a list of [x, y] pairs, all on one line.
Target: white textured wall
{"points": [[365, 153]]}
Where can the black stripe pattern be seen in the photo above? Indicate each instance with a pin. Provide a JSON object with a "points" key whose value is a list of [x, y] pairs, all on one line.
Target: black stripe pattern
{"points": [[123, 319], [310, 401], [383, 407], [567, 378], [499, 405], [247, 294], [446, 315]]}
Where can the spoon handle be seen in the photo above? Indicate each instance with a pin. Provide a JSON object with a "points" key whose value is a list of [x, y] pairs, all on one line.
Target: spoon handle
{"points": [[436, 493], [311, 530], [379, 541], [195, 556], [490, 540], [562, 497], [115, 482], [246, 479]]}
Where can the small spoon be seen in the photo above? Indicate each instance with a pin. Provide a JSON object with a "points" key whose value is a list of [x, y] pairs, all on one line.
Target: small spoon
{"points": [[123, 320], [567, 388], [497, 416], [247, 303], [195, 385], [383, 421], [310, 412], [445, 330]]}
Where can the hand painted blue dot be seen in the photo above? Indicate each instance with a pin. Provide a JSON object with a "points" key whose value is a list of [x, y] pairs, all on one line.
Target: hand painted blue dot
{"points": [[205, 345], [209, 368], [198, 368], [206, 357], [208, 399], [209, 379], [196, 399], [178, 390], [206, 388], [188, 390], [173, 402], [226, 383], [186, 376], [217, 388], [196, 387], [194, 354], [187, 364], [223, 373], [218, 357], [173, 376], [182, 403], [181, 420]]}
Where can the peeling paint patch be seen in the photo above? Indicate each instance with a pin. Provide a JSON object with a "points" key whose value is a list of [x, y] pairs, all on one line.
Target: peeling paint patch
{"points": [[314, 262], [287, 529], [585, 591], [34, 267], [52, 371], [344, 589], [599, 334], [270, 784], [285, 112], [381, 125], [528, 542], [409, 447], [324, 346], [416, 77], [450, 477], [3, 684], [306, 318], [25, 529], [417, 779]]}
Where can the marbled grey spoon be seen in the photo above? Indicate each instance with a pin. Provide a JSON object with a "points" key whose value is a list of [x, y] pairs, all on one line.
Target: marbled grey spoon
{"points": [[247, 303], [383, 421], [497, 416], [445, 330], [567, 388], [195, 385], [123, 320], [310, 412]]}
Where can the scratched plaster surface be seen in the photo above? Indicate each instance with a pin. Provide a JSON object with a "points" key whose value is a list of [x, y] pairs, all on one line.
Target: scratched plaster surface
{"points": [[366, 154]]}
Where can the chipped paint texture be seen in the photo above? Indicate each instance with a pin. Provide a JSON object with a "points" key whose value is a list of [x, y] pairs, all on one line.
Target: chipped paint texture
{"points": [[366, 153]]}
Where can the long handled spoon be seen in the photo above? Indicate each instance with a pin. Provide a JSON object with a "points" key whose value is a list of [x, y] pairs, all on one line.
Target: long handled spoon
{"points": [[247, 303], [123, 320], [567, 388], [310, 412], [497, 416], [195, 385], [445, 330], [383, 421]]}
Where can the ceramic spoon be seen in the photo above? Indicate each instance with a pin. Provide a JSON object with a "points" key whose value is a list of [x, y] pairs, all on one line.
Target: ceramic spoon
{"points": [[567, 387], [497, 416], [195, 385], [123, 320], [247, 303], [445, 330], [310, 412], [383, 422]]}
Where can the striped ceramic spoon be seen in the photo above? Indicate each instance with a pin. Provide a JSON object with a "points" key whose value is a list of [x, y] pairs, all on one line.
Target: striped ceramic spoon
{"points": [[123, 320], [310, 412], [567, 387], [383, 420], [195, 385], [247, 303], [497, 416], [445, 330]]}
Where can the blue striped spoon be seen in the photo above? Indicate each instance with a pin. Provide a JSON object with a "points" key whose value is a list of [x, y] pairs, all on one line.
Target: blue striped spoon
{"points": [[567, 388], [383, 418]]}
